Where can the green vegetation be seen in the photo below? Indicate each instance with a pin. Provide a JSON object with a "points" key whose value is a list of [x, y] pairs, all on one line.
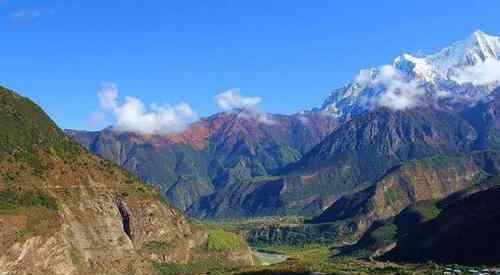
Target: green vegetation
{"points": [[26, 133], [10, 200], [391, 195], [37, 210], [220, 240], [214, 266], [427, 210], [318, 258], [384, 235], [303, 260]]}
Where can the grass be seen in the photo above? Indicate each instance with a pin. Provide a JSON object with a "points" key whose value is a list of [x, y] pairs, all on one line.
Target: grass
{"points": [[318, 258], [385, 234], [428, 210], [220, 240], [213, 266], [303, 259]]}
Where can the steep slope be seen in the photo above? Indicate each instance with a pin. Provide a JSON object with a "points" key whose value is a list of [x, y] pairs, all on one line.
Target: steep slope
{"points": [[453, 77], [352, 158], [485, 118], [382, 138], [368, 215], [382, 236], [179, 169], [422, 180], [464, 232], [215, 152], [65, 211]]}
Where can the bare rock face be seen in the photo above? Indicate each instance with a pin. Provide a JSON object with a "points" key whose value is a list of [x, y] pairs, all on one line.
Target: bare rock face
{"points": [[100, 224], [66, 211]]}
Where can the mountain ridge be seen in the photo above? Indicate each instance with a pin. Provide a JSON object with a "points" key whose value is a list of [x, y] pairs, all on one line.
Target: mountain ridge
{"points": [[445, 77], [211, 153], [63, 210]]}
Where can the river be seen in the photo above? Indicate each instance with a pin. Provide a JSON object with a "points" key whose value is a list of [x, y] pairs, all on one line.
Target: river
{"points": [[269, 258]]}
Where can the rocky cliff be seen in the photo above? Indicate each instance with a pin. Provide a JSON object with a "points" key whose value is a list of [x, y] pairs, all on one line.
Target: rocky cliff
{"points": [[66, 211]]}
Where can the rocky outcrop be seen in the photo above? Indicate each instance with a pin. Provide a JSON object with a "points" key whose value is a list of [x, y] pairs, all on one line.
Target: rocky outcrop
{"points": [[66, 211]]}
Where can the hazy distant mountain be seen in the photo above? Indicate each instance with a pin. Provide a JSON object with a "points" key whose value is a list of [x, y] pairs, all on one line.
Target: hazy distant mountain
{"points": [[218, 151], [233, 165]]}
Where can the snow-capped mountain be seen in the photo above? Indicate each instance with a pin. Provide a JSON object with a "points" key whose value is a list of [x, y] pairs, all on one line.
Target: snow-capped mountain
{"points": [[465, 72]]}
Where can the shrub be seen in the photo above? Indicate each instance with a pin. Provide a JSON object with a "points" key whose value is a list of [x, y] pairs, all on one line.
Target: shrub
{"points": [[10, 200]]}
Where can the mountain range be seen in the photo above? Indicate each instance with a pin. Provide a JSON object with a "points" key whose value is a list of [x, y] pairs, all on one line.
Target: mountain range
{"points": [[231, 165], [217, 152], [458, 75], [401, 164]]}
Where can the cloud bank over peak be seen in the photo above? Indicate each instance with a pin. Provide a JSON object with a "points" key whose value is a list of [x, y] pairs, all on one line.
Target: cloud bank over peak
{"points": [[232, 100], [482, 73], [400, 93], [466, 72], [397, 91], [131, 114]]}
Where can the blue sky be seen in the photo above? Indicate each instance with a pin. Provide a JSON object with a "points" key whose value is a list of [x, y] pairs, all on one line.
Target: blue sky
{"points": [[289, 53]]}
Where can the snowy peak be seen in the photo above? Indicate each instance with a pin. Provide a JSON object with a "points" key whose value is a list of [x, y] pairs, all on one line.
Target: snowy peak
{"points": [[488, 45], [414, 67], [468, 69], [478, 47]]}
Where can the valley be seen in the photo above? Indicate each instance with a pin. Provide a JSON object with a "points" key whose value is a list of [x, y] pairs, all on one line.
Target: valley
{"points": [[396, 173], [343, 189]]}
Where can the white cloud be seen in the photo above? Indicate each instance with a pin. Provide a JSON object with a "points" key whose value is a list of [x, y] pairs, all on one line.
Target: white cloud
{"points": [[400, 94], [483, 73], [108, 96], [132, 115], [232, 99]]}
